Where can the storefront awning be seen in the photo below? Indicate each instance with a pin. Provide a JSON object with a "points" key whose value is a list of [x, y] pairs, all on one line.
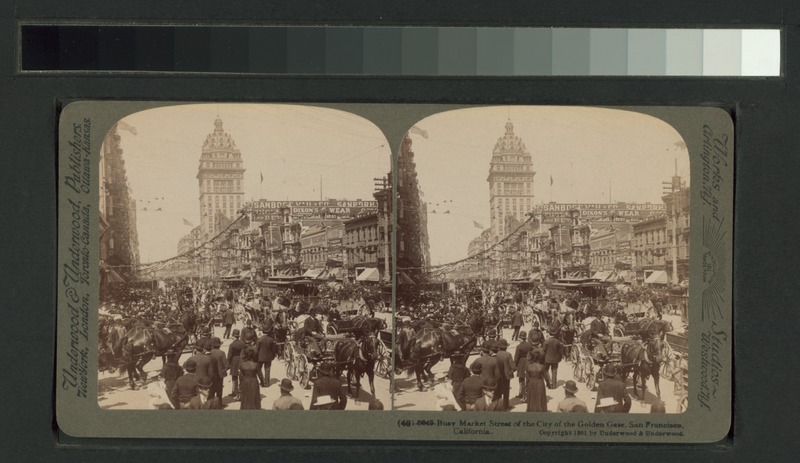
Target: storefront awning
{"points": [[313, 272], [404, 279], [658, 277], [602, 276], [113, 277], [370, 274]]}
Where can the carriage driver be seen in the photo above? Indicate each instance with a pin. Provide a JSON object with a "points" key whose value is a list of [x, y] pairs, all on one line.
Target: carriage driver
{"points": [[599, 330], [310, 333]]}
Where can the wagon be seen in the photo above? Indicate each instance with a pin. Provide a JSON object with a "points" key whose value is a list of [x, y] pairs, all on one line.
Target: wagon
{"points": [[340, 327], [677, 368], [383, 367]]}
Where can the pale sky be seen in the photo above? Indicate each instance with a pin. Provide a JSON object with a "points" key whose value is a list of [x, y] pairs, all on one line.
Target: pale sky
{"points": [[295, 147], [585, 150]]}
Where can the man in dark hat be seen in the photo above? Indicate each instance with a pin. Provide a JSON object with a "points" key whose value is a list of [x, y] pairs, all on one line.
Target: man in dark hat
{"points": [[185, 386], [219, 368], [489, 368], [570, 402], [517, 321], [521, 363], [328, 393], [202, 401], [506, 367], [249, 333], [612, 396], [202, 359], [266, 351], [471, 389], [285, 401], [553, 353], [535, 335], [228, 319], [487, 402], [234, 359]]}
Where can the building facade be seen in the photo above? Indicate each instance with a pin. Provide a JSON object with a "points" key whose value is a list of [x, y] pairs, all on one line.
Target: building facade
{"points": [[119, 242], [413, 248], [220, 177], [510, 182], [650, 245]]}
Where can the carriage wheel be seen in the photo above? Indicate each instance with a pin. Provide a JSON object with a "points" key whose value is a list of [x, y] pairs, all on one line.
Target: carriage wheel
{"points": [[590, 374], [330, 330], [383, 367], [577, 371], [302, 371], [291, 369], [683, 403], [288, 352], [619, 332]]}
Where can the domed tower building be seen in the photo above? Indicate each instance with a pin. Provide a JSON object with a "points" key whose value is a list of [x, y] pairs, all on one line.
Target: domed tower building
{"points": [[510, 182], [220, 178]]}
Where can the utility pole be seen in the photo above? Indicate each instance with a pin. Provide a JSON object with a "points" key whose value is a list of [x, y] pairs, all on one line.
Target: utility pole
{"points": [[672, 189], [382, 188]]}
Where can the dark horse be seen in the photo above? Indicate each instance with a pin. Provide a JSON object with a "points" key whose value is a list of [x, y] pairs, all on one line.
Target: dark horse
{"points": [[477, 323], [366, 326], [432, 345], [645, 360], [139, 345], [358, 358]]}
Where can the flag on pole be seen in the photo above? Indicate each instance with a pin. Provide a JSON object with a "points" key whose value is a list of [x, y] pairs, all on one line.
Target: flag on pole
{"points": [[477, 225], [262, 177], [122, 125], [551, 180], [418, 131], [186, 222]]}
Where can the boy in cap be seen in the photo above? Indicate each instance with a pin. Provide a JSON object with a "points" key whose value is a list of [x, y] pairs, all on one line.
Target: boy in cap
{"points": [[471, 389], [185, 386], [286, 400], [570, 402]]}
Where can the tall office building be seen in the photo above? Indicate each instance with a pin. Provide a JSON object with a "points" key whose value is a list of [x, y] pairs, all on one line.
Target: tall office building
{"points": [[220, 178], [510, 182]]}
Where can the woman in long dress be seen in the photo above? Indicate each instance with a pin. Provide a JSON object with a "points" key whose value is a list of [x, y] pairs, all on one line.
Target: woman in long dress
{"points": [[250, 389], [536, 382]]}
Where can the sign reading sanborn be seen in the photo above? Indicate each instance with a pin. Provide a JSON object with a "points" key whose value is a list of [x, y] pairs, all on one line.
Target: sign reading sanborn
{"points": [[265, 210], [614, 212]]}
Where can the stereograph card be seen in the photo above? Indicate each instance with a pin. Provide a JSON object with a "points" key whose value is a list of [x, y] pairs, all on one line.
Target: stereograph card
{"points": [[385, 243]]}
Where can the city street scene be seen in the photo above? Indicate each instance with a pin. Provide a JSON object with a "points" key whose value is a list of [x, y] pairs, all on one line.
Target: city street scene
{"points": [[543, 262], [244, 260]]}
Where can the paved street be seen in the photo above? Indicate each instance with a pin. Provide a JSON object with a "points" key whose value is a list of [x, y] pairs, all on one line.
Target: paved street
{"points": [[115, 394], [408, 397]]}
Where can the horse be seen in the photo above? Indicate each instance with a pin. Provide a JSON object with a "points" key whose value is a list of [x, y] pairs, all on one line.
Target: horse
{"points": [[365, 326], [653, 327], [432, 345], [645, 360], [357, 358], [141, 344]]}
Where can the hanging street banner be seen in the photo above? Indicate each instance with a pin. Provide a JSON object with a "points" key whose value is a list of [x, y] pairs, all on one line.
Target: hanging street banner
{"points": [[264, 210], [603, 212]]}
